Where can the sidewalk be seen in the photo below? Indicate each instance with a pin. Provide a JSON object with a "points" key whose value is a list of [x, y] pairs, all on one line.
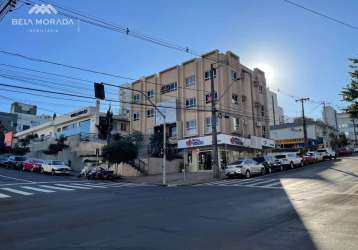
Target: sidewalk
{"points": [[174, 179]]}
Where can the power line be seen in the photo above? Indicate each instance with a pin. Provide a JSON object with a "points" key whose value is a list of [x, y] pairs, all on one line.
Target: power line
{"points": [[321, 14]]}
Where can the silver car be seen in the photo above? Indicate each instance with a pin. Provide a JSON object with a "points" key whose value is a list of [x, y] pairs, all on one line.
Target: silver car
{"points": [[245, 167]]}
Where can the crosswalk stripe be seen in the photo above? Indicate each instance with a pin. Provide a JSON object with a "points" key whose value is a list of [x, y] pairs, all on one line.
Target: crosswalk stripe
{"points": [[4, 196], [38, 189], [259, 183], [57, 188], [12, 190], [72, 186], [87, 185], [276, 183]]}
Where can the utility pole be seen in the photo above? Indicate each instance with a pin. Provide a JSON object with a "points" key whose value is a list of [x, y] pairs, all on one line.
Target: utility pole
{"points": [[214, 155], [355, 133], [302, 100]]}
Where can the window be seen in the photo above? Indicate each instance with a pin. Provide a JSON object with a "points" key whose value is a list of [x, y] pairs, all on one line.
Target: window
{"points": [[190, 81], [207, 74], [85, 126], [233, 75], [244, 98], [260, 89], [136, 116], [150, 93], [136, 98], [190, 103], [235, 99], [235, 123], [150, 112], [191, 127], [168, 88], [208, 97], [123, 127], [262, 110], [173, 131]]}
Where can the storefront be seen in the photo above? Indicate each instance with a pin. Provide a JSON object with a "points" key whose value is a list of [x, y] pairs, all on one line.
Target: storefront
{"points": [[198, 150]]}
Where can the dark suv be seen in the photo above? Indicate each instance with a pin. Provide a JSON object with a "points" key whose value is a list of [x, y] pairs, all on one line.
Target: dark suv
{"points": [[271, 163], [15, 161]]}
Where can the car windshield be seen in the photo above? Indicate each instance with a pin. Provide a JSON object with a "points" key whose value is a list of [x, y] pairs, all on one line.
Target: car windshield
{"points": [[259, 159], [20, 158], [235, 163], [280, 156], [321, 150], [58, 163]]}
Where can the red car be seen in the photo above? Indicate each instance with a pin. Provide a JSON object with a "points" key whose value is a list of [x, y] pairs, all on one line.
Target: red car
{"points": [[33, 165], [309, 158]]}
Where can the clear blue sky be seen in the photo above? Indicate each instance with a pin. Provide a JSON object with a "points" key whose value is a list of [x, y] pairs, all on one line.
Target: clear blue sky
{"points": [[305, 54]]}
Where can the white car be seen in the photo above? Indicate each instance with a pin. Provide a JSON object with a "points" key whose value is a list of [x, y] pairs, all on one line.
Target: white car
{"points": [[245, 167], [327, 153], [55, 167], [289, 160]]}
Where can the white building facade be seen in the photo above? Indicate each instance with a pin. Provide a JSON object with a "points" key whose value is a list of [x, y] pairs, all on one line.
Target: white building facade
{"points": [[348, 126]]}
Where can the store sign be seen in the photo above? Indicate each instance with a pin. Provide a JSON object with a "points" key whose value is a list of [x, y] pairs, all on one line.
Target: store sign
{"points": [[268, 143], [9, 137], [194, 142]]}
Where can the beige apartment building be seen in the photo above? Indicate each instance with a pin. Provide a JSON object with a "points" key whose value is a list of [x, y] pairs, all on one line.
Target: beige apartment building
{"points": [[182, 92]]}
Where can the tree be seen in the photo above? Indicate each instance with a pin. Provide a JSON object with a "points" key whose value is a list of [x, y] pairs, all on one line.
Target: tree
{"points": [[105, 125], [338, 141], [121, 149], [156, 146], [60, 145], [350, 92]]}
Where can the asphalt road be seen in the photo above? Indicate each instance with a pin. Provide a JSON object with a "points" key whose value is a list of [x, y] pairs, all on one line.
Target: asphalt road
{"points": [[314, 207]]}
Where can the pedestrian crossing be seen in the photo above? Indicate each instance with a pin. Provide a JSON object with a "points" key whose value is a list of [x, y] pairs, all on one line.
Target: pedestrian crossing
{"points": [[38, 188], [300, 184]]}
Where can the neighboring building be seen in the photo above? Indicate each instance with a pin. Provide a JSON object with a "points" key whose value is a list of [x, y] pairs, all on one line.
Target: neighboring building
{"points": [[22, 108], [275, 112], [8, 121], [329, 116], [290, 135], [125, 98], [25, 121], [281, 115], [347, 127], [183, 94], [81, 122]]}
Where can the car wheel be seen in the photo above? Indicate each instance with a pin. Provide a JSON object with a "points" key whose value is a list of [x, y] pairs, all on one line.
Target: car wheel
{"points": [[248, 174], [292, 165], [263, 171]]}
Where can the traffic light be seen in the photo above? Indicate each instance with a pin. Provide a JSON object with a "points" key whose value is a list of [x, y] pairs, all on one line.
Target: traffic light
{"points": [[99, 90]]}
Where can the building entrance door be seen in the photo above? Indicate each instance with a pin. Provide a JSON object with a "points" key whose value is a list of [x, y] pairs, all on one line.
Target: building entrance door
{"points": [[205, 161]]}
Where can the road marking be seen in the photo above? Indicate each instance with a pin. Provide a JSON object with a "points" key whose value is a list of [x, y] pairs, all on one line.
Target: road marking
{"points": [[266, 183], [38, 189], [88, 185], [4, 196], [72, 186], [16, 191], [13, 178], [57, 188], [277, 183]]}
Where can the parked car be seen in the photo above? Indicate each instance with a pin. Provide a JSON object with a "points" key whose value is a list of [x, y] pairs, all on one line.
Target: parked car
{"points": [[271, 163], [289, 160], [3, 160], [308, 158], [55, 167], [344, 152], [327, 153], [316, 155], [33, 165], [245, 167], [15, 162]]}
